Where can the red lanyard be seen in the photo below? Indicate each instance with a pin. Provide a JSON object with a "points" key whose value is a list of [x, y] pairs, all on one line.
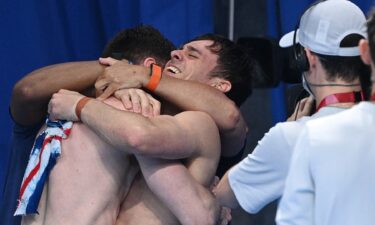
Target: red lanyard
{"points": [[373, 97], [342, 98]]}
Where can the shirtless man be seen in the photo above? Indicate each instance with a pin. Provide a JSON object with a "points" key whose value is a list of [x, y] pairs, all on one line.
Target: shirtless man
{"points": [[91, 179], [222, 113], [88, 183], [187, 135]]}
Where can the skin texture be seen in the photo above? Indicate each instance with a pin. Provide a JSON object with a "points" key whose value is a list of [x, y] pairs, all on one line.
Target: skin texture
{"points": [[162, 136], [186, 151], [88, 183], [189, 135], [178, 88]]}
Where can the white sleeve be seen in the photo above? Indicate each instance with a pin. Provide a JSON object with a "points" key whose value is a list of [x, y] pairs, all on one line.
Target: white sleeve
{"points": [[297, 204], [259, 178]]}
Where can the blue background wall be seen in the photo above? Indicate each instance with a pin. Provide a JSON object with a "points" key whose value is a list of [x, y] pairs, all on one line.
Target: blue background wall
{"points": [[38, 33]]}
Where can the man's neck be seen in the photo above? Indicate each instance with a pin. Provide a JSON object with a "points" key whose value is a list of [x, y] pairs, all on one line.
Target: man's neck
{"points": [[323, 92]]}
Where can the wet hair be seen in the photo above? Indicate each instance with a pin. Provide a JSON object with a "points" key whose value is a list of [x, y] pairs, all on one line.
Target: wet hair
{"points": [[137, 43], [233, 64]]}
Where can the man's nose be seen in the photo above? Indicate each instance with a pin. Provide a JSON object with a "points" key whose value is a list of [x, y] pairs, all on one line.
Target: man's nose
{"points": [[177, 54]]}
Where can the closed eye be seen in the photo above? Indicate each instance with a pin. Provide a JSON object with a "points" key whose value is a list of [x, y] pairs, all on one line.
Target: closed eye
{"points": [[193, 56], [193, 52]]}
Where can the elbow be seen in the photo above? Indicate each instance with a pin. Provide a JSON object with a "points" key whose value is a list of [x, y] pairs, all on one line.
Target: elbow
{"points": [[23, 92], [232, 116], [138, 141], [235, 122]]}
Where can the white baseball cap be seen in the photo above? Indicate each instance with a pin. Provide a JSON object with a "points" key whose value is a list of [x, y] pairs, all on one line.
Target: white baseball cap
{"points": [[324, 25]]}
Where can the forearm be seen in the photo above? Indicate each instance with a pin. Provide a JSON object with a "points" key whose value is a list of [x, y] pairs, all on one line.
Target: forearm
{"points": [[190, 95], [31, 94], [224, 193], [190, 202], [187, 95], [127, 131]]}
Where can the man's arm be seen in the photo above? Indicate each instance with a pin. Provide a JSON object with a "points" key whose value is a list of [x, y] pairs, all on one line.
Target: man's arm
{"points": [[190, 202], [224, 193], [170, 137], [31, 94], [225, 113]]}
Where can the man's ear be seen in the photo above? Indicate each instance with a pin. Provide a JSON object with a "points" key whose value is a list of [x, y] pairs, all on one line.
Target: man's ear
{"points": [[221, 84], [148, 61], [311, 57], [364, 49]]}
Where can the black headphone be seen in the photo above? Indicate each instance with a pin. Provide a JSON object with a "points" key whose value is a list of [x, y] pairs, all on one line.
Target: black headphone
{"points": [[300, 61]]}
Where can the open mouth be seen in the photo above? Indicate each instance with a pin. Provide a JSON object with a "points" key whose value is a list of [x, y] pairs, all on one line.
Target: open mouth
{"points": [[173, 69]]}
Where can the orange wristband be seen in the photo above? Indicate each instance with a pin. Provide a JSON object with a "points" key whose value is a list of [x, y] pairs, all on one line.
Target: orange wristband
{"points": [[155, 77], [81, 103]]}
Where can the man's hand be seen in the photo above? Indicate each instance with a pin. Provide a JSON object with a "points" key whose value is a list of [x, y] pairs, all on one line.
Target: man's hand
{"points": [[138, 101], [62, 105], [225, 212], [302, 109], [225, 216], [119, 75]]}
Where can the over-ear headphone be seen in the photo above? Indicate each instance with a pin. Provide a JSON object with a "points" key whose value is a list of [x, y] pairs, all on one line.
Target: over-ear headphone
{"points": [[300, 61]]}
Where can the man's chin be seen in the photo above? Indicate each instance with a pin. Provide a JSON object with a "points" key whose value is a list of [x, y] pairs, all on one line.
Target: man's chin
{"points": [[171, 74]]}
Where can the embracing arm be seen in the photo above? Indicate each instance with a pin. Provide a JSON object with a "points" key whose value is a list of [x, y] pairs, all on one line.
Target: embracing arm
{"points": [[161, 136], [179, 136], [190, 95], [224, 112], [190, 202], [31, 94]]}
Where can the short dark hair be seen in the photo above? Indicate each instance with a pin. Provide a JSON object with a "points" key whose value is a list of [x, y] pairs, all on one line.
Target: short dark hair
{"points": [[137, 43], [348, 68], [233, 64]]}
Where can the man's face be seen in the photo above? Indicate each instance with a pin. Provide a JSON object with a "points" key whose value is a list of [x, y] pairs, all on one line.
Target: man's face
{"points": [[193, 62]]}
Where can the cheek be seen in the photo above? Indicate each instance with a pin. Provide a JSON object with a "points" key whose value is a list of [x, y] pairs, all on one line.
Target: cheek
{"points": [[189, 72], [211, 67]]}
